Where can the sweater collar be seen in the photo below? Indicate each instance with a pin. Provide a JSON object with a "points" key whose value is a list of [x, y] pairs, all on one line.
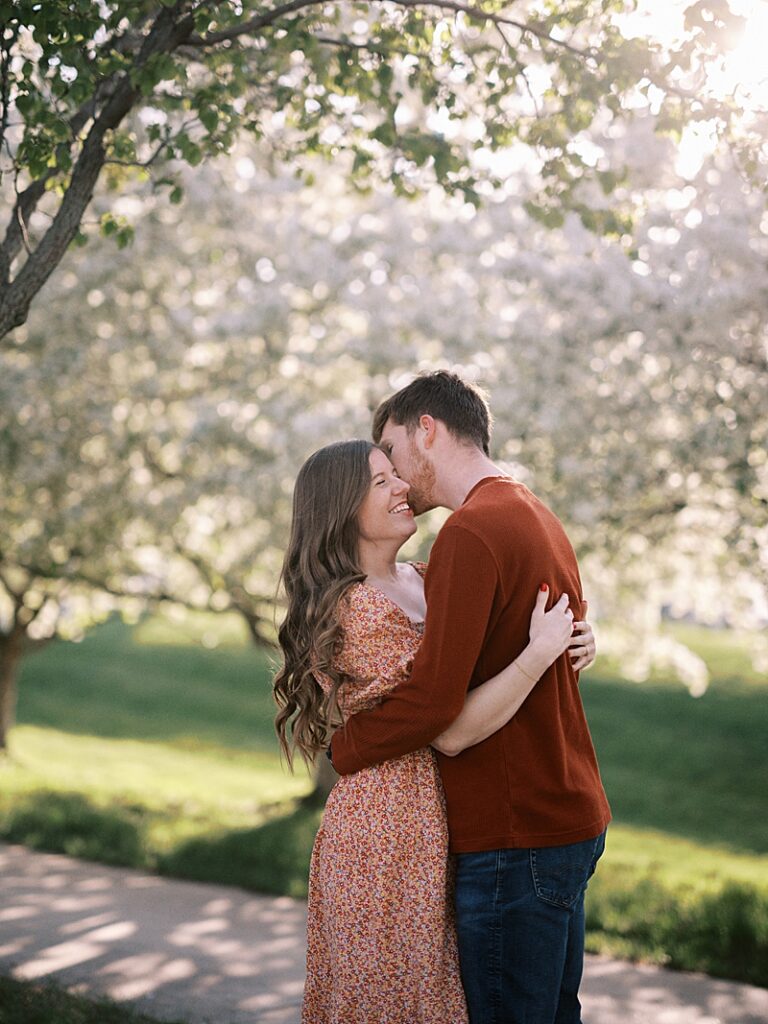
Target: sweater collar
{"points": [[487, 480]]}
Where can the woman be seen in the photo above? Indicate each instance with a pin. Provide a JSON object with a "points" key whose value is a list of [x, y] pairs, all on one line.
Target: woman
{"points": [[381, 942]]}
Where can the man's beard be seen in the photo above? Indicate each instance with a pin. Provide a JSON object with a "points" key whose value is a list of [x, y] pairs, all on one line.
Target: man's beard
{"points": [[422, 481]]}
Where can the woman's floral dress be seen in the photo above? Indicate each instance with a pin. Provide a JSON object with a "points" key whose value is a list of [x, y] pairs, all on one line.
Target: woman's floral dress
{"points": [[381, 942]]}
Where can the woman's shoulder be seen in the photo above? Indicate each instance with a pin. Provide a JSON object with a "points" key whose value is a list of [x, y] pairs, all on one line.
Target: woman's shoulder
{"points": [[420, 567], [366, 613], [358, 600]]}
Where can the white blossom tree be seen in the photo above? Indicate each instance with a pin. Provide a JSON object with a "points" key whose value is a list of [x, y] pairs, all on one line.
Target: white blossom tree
{"points": [[410, 92], [157, 461]]}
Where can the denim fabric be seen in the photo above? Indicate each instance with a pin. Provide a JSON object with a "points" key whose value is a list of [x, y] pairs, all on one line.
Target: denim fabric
{"points": [[520, 921]]}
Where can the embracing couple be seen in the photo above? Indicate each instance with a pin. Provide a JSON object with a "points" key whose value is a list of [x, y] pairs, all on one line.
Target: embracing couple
{"points": [[453, 691]]}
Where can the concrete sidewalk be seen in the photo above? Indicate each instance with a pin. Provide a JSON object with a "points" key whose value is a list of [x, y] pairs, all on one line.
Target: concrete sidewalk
{"points": [[209, 954]]}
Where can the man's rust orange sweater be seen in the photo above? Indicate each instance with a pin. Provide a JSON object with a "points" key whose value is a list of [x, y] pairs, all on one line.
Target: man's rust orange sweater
{"points": [[535, 782]]}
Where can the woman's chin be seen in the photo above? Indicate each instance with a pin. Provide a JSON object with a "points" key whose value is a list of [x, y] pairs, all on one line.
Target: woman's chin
{"points": [[406, 532]]}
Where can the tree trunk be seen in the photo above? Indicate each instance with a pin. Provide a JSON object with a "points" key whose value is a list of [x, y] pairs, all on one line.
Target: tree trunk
{"points": [[166, 34], [324, 778], [10, 655], [254, 622]]}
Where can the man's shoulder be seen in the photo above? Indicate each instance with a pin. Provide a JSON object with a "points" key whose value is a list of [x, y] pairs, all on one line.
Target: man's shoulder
{"points": [[502, 515], [475, 523], [495, 502]]}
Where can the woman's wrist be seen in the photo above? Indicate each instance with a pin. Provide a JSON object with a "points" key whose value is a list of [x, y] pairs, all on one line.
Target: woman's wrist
{"points": [[535, 659]]}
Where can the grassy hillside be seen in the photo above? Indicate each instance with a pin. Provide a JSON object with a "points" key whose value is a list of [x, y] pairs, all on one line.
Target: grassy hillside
{"points": [[144, 747]]}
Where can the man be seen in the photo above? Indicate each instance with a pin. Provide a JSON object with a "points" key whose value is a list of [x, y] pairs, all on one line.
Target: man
{"points": [[526, 808]]}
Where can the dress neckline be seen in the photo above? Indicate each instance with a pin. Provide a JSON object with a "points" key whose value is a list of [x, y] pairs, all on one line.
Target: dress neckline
{"points": [[417, 623]]}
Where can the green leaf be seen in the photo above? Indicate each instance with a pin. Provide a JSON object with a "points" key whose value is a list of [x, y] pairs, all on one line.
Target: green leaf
{"points": [[209, 117], [125, 236], [385, 133], [385, 75]]}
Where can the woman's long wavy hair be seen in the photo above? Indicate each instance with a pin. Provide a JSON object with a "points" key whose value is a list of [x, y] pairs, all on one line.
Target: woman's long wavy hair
{"points": [[321, 563]]}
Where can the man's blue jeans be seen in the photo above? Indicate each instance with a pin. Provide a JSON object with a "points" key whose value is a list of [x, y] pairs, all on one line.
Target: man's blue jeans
{"points": [[520, 921]]}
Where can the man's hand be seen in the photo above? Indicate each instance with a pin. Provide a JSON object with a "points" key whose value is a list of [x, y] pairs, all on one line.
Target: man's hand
{"points": [[582, 648]]}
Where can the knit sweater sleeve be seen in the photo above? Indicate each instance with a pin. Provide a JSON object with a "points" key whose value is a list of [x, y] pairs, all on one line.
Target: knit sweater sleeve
{"points": [[460, 587]]}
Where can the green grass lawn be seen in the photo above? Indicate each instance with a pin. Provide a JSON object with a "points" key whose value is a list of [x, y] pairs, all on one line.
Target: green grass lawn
{"points": [[29, 1003], [143, 747], [692, 767], [685, 879], [141, 754]]}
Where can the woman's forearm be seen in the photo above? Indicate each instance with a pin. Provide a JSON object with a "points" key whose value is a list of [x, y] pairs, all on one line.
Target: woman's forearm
{"points": [[490, 706]]}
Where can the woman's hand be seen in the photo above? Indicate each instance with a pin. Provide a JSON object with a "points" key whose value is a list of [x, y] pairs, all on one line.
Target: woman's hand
{"points": [[551, 631], [582, 648]]}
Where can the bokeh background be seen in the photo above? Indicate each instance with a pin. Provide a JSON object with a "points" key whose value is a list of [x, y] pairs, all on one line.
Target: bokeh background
{"points": [[160, 397]]}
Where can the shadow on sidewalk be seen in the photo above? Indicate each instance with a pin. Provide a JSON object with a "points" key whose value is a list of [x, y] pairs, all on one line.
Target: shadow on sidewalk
{"points": [[174, 949]]}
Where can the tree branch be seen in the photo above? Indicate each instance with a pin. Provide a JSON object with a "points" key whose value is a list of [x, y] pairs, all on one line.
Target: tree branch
{"points": [[368, 47], [259, 22], [40, 572], [26, 615], [164, 36], [15, 596], [15, 235], [113, 161], [478, 14], [5, 81], [253, 621], [240, 600], [203, 570], [26, 202]]}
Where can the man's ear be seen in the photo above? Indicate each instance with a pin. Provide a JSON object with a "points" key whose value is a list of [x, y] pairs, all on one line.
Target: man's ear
{"points": [[428, 428]]}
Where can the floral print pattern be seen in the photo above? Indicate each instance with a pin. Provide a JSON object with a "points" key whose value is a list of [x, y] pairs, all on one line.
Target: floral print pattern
{"points": [[381, 937]]}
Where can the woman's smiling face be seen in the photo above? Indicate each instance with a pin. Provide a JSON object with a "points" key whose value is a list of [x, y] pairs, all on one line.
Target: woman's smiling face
{"points": [[385, 513]]}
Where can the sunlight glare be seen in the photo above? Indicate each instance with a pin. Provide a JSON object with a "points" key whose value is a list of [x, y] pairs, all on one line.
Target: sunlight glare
{"points": [[744, 70], [741, 74]]}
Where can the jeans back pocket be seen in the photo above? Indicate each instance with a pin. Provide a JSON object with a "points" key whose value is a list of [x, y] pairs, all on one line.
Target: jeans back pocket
{"points": [[560, 873]]}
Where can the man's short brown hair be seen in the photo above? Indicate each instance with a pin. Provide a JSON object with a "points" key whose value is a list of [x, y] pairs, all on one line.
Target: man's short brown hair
{"points": [[462, 407]]}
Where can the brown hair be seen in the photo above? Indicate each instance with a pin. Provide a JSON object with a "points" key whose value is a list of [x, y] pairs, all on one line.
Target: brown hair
{"points": [[321, 563], [462, 407]]}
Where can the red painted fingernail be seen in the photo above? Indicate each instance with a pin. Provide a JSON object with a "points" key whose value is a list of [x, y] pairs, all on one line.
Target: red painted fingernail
{"points": [[543, 587]]}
